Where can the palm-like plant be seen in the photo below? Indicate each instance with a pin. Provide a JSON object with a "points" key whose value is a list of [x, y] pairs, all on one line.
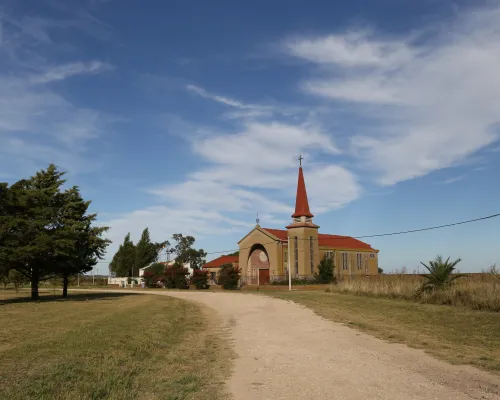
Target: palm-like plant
{"points": [[440, 274]]}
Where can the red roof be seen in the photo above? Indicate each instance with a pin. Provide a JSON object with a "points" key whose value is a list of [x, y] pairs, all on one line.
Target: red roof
{"points": [[301, 202], [219, 262], [333, 241]]}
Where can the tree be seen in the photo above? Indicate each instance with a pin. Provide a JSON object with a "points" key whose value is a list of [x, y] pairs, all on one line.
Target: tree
{"points": [[229, 276], [5, 280], [380, 271], [440, 274], [84, 245], [29, 226], [40, 236], [185, 253], [123, 261], [154, 273], [176, 276], [16, 278], [147, 252], [200, 279], [325, 270]]}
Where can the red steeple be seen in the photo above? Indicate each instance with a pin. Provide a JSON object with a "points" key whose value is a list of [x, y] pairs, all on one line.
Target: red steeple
{"points": [[301, 203]]}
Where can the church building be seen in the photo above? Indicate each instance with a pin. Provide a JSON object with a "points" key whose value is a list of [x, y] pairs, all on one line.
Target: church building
{"points": [[265, 254]]}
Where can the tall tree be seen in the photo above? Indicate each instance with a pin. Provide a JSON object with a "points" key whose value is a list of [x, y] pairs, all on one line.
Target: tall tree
{"points": [[147, 252], [185, 253], [41, 229], [28, 226], [123, 261], [83, 243]]}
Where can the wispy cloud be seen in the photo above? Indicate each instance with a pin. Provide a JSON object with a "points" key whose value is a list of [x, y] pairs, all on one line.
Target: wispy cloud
{"points": [[61, 72], [227, 100], [454, 179], [433, 103], [38, 124]]}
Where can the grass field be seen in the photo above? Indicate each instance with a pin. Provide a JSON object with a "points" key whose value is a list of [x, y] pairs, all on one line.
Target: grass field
{"points": [[109, 346], [475, 291], [456, 334]]}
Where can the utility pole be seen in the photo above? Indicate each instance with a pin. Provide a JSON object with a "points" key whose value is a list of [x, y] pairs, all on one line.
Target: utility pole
{"points": [[289, 266]]}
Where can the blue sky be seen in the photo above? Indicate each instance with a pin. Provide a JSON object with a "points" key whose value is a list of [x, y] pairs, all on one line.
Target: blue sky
{"points": [[189, 117]]}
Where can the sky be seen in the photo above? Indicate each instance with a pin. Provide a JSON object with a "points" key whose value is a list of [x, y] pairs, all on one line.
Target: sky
{"points": [[189, 116]]}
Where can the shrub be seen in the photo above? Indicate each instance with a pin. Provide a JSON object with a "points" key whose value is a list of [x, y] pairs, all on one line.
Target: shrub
{"points": [[325, 270], [229, 276], [440, 274], [176, 276], [295, 281], [154, 275], [200, 279]]}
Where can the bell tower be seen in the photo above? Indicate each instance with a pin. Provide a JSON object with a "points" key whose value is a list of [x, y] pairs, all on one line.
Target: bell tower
{"points": [[303, 234]]}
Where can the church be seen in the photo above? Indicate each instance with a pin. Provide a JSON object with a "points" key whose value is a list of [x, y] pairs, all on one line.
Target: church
{"points": [[266, 254]]}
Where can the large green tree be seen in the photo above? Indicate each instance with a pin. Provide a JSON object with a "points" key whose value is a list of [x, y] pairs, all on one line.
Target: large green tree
{"points": [[185, 253], [84, 242], [146, 251], [40, 233], [28, 226], [123, 261]]}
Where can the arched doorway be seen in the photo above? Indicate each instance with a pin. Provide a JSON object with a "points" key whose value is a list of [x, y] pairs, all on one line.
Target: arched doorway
{"points": [[258, 265]]}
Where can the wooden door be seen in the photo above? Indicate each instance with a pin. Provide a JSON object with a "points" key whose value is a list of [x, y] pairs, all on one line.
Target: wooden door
{"points": [[263, 276]]}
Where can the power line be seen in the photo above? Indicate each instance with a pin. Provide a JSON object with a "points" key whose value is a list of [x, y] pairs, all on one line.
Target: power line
{"points": [[367, 236], [381, 234], [431, 228]]}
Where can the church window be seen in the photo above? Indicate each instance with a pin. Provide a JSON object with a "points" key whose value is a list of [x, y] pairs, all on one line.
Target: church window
{"points": [[311, 251], [329, 254], [359, 260], [344, 261], [372, 255], [296, 220], [296, 254]]}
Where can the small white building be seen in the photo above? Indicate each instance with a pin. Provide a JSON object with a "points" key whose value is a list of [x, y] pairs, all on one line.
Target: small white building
{"points": [[123, 281]]}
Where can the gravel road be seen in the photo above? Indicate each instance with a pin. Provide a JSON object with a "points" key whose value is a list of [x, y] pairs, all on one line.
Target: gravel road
{"points": [[286, 351]]}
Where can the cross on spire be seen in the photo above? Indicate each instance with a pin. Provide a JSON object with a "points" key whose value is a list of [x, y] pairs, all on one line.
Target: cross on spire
{"points": [[300, 160]]}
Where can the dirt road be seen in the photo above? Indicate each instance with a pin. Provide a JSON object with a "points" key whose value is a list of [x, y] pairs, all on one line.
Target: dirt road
{"points": [[285, 351]]}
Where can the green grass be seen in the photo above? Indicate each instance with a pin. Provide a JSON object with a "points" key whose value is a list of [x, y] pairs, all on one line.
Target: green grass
{"points": [[456, 334], [110, 346]]}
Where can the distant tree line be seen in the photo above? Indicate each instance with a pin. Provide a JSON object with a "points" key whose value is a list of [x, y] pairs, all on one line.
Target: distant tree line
{"points": [[130, 258], [46, 232]]}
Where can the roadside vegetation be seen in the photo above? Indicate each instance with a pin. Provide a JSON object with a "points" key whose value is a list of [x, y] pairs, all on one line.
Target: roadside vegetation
{"points": [[439, 286], [110, 346]]}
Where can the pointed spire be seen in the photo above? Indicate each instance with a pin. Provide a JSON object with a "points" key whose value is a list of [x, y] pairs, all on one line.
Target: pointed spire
{"points": [[301, 203]]}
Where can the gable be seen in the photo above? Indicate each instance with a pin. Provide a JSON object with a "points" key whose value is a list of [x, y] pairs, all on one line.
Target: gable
{"points": [[258, 235]]}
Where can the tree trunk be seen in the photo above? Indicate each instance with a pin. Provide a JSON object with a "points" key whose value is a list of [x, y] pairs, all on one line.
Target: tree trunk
{"points": [[65, 286], [34, 287]]}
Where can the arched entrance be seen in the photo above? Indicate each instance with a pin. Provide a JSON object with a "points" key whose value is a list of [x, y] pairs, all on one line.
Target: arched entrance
{"points": [[258, 265]]}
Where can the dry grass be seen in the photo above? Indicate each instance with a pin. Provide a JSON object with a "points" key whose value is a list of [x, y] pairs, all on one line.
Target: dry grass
{"points": [[456, 334], [109, 346], [478, 292]]}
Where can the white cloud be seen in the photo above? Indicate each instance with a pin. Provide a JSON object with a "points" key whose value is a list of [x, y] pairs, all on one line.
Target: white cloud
{"points": [[61, 72], [352, 49], [38, 124], [454, 179], [224, 100], [433, 102]]}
